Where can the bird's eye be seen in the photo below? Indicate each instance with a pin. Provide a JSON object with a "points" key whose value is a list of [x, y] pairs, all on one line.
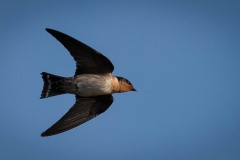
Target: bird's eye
{"points": [[129, 82]]}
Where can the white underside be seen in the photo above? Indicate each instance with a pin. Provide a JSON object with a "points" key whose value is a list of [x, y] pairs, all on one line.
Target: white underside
{"points": [[94, 85]]}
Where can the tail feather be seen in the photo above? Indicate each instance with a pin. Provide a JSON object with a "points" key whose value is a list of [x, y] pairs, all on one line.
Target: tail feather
{"points": [[52, 85]]}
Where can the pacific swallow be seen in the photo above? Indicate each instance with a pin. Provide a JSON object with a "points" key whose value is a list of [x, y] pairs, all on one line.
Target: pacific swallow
{"points": [[93, 84]]}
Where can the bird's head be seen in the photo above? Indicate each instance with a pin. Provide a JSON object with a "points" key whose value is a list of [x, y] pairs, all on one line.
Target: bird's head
{"points": [[125, 85]]}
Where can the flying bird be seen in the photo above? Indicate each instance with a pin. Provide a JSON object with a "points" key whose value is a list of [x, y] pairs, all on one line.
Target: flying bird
{"points": [[93, 84]]}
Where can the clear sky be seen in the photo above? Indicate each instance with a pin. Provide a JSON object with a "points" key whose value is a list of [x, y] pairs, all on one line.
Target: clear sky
{"points": [[183, 57]]}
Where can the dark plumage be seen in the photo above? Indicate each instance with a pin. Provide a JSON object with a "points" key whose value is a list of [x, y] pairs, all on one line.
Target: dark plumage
{"points": [[93, 84]]}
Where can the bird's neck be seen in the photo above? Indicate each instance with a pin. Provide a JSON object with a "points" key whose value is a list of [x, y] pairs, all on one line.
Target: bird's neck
{"points": [[115, 85]]}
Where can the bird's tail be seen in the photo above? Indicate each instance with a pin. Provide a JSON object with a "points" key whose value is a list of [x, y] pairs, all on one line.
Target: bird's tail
{"points": [[53, 85]]}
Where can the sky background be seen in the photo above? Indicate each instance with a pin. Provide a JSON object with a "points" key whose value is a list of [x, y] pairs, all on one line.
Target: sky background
{"points": [[183, 57]]}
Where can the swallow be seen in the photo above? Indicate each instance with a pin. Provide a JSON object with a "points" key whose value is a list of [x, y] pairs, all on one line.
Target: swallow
{"points": [[93, 84]]}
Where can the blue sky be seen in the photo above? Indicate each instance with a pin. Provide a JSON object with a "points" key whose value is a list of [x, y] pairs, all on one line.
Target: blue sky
{"points": [[182, 57]]}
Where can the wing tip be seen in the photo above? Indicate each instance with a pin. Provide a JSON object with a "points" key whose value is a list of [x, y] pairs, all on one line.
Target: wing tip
{"points": [[44, 134], [47, 133], [48, 29]]}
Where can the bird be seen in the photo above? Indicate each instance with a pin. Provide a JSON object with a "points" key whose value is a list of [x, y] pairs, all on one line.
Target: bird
{"points": [[93, 84]]}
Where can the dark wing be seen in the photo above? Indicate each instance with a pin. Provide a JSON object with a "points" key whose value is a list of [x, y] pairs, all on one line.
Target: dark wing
{"points": [[89, 61], [82, 111]]}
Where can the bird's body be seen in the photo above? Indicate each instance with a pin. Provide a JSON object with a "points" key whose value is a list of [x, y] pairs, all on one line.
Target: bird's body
{"points": [[84, 85], [93, 84]]}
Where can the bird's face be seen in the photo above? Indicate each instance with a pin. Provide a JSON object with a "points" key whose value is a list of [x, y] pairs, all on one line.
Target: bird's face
{"points": [[125, 85]]}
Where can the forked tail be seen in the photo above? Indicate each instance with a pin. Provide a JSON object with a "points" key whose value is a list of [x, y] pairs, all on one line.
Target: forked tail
{"points": [[53, 85]]}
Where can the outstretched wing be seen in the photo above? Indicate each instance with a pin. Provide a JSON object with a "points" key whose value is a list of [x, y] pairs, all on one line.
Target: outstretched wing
{"points": [[82, 111], [88, 60]]}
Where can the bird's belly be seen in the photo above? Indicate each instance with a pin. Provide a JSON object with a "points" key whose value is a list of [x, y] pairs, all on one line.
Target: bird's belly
{"points": [[93, 89]]}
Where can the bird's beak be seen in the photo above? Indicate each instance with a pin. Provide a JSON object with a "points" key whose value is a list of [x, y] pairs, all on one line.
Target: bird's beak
{"points": [[133, 89]]}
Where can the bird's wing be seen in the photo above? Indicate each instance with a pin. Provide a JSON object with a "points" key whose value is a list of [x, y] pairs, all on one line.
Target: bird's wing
{"points": [[88, 60], [82, 111]]}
